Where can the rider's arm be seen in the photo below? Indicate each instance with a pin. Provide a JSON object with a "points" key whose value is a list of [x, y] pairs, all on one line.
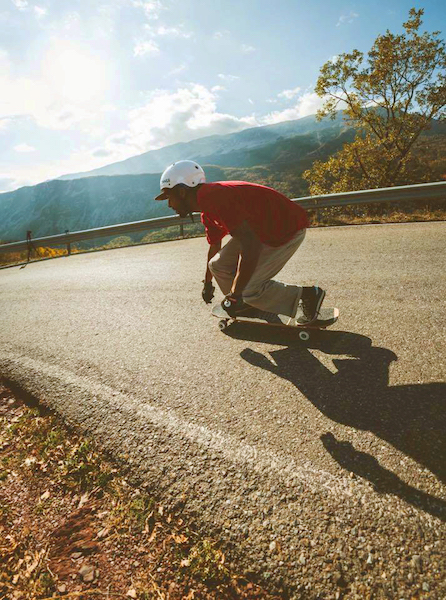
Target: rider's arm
{"points": [[213, 249], [251, 247]]}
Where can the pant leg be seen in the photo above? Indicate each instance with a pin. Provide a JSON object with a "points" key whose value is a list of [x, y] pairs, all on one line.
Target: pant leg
{"points": [[267, 294], [223, 265]]}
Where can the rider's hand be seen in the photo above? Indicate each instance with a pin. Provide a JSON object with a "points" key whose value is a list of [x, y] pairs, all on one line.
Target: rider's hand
{"points": [[208, 292]]}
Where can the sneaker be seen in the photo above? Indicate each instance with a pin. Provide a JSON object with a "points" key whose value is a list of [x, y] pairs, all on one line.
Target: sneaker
{"points": [[312, 298], [238, 308]]}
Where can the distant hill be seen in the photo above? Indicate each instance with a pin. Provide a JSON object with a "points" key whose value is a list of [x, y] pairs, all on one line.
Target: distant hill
{"points": [[215, 149], [53, 207]]}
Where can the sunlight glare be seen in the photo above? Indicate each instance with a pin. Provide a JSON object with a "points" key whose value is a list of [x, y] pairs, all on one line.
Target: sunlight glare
{"points": [[75, 72]]}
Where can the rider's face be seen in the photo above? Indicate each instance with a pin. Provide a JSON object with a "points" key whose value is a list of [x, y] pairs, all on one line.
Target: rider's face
{"points": [[177, 202]]}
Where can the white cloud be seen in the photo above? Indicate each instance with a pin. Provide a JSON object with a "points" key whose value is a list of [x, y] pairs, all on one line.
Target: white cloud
{"points": [[289, 94], [152, 8], [166, 117], [169, 117], [177, 70], [247, 49], [347, 18], [173, 32], [4, 124], [40, 12], [148, 47], [8, 183], [36, 172], [218, 35], [228, 78], [307, 104], [20, 4], [24, 148]]}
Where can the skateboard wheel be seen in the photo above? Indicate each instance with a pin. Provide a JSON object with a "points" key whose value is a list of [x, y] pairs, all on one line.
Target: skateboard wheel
{"points": [[304, 336], [227, 304], [222, 324]]}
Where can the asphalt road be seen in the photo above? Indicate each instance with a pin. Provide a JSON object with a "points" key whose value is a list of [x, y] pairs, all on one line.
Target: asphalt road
{"points": [[321, 464]]}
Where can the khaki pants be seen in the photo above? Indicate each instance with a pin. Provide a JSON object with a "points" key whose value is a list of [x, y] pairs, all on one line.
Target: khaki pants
{"points": [[261, 291]]}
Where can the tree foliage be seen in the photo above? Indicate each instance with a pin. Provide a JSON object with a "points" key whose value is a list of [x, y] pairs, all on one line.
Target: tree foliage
{"points": [[390, 99]]}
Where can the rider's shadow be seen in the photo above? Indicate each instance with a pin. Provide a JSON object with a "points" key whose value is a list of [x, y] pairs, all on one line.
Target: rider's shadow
{"points": [[412, 418]]}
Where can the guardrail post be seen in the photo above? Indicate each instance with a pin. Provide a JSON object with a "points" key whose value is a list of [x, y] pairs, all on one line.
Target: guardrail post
{"points": [[68, 243], [29, 244]]}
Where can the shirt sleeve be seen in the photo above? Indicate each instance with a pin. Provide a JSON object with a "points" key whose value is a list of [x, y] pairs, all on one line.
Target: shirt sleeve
{"points": [[214, 232]]}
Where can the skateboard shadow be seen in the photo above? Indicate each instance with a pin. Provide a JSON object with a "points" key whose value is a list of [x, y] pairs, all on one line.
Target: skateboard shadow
{"points": [[412, 417]]}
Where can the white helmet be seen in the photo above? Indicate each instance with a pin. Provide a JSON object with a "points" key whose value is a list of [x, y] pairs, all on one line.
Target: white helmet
{"points": [[186, 172]]}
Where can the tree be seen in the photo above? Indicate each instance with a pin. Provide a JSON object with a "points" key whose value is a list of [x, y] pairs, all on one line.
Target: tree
{"points": [[390, 100]]}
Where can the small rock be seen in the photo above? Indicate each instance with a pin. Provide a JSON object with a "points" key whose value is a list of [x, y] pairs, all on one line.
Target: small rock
{"points": [[132, 593], [425, 586], [369, 559], [416, 562], [76, 555], [87, 573], [410, 577], [62, 588], [302, 559], [45, 496], [272, 546]]}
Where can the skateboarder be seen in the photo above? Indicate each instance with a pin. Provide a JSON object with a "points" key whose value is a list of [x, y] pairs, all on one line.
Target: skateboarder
{"points": [[266, 229]]}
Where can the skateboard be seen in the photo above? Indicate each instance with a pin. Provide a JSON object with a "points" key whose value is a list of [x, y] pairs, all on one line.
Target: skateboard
{"points": [[327, 317]]}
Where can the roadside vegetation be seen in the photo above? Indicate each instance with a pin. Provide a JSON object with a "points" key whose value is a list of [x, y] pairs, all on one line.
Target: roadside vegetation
{"points": [[390, 98], [74, 525]]}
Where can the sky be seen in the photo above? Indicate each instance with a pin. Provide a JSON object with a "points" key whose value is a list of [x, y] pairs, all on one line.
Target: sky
{"points": [[85, 83]]}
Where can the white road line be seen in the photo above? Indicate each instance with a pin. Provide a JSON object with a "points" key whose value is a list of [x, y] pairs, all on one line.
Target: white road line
{"points": [[65, 383]]}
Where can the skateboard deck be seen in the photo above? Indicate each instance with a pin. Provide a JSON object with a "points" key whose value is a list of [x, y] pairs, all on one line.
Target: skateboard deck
{"points": [[327, 317]]}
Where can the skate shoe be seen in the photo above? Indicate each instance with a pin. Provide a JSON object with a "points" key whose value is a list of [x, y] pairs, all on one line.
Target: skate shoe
{"points": [[311, 301], [236, 307]]}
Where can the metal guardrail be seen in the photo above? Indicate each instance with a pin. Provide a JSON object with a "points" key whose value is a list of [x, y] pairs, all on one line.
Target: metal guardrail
{"points": [[424, 191]]}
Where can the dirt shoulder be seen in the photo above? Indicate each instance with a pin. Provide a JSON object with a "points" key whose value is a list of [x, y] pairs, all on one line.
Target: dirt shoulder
{"points": [[73, 525]]}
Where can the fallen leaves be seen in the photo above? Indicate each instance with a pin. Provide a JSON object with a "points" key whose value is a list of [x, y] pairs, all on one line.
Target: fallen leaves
{"points": [[69, 520]]}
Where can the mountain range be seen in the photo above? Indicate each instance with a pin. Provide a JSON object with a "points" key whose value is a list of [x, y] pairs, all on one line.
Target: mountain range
{"points": [[224, 150], [273, 155]]}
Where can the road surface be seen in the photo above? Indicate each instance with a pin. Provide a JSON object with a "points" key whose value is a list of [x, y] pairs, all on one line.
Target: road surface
{"points": [[322, 466]]}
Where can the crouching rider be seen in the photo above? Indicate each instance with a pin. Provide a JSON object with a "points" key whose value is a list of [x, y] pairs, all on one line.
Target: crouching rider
{"points": [[265, 228]]}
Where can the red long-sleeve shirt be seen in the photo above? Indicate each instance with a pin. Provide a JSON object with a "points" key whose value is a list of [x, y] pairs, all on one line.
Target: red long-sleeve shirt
{"points": [[273, 217]]}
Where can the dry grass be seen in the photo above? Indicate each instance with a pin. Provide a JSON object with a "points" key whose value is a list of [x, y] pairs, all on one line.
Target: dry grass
{"points": [[73, 526]]}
